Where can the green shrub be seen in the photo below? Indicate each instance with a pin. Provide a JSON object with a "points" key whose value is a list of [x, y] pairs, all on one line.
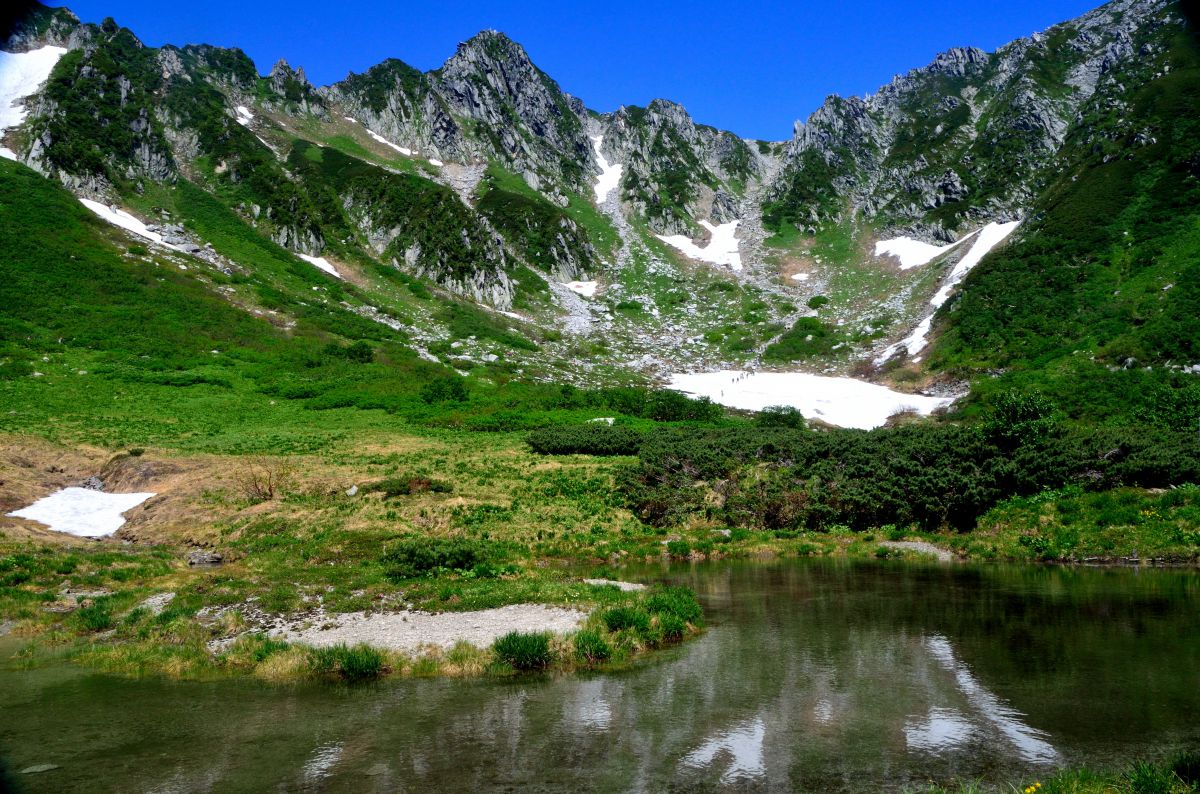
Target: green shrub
{"points": [[590, 647], [586, 439], [409, 559], [1147, 778], [679, 602], [451, 388], [618, 618], [679, 548], [356, 663], [673, 627], [96, 617], [524, 651]]}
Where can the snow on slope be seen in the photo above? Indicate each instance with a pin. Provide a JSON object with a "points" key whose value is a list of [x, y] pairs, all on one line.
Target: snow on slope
{"points": [[844, 402], [989, 237], [21, 74], [244, 116], [386, 142], [722, 249], [82, 512], [610, 173], [585, 288], [322, 263], [912, 253], [126, 221]]}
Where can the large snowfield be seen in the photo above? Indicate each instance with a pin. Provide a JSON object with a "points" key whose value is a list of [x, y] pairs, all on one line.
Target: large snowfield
{"points": [[82, 512], [722, 249], [610, 173], [21, 74], [844, 402], [989, 237]]}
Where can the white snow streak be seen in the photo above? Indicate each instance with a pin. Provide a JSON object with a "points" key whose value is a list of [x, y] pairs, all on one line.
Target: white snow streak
{"points": [[722, 249], [844, 402], [82, 512], [244, 116], [585, 288], [119, 217], [434, 161], [610, 173], [799, 277], [386, 142], [989, 237], [322, 263]]}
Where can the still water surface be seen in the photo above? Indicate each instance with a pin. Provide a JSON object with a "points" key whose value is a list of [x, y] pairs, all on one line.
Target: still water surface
{"points": [[813, 676]]}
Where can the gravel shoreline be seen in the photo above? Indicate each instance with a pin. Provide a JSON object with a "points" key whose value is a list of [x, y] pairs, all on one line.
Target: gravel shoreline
{"points": [[412, 630]]}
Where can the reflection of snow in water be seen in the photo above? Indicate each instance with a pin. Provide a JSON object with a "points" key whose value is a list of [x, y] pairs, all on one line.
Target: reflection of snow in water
{"points": [[742, 745], [1028, 741], [943, 729], [323, 760], [589, 707]]}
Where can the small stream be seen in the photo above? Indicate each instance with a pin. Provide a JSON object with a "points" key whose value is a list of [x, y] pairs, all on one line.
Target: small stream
{"points": [[813, 676]]}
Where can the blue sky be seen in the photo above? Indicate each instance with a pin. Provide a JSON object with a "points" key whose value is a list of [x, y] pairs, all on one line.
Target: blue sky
{"points": [[751, 66]]}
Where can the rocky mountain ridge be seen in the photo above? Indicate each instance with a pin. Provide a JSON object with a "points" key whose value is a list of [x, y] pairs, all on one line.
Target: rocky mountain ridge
{"points": [[970, 138], [484, 181]]}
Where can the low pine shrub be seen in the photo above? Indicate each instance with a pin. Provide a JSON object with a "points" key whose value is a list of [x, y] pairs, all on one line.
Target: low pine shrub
{"points": [[587, 439], [524, 651], [412, 558], [407, 485]]}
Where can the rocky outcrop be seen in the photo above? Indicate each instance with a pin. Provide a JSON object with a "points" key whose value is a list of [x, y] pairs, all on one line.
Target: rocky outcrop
{"points": [[676, 171]]}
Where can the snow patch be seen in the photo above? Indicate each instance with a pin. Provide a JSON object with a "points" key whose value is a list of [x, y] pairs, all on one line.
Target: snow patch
{"points": [[386, 142], [244, 116], [119, 217], [989, 237], [610, 173], [21, 74], [82, 511], [722, 249], [912, 253], [844, 402], [322, 263], [434, 161], [799, 277], [585, 288]]}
